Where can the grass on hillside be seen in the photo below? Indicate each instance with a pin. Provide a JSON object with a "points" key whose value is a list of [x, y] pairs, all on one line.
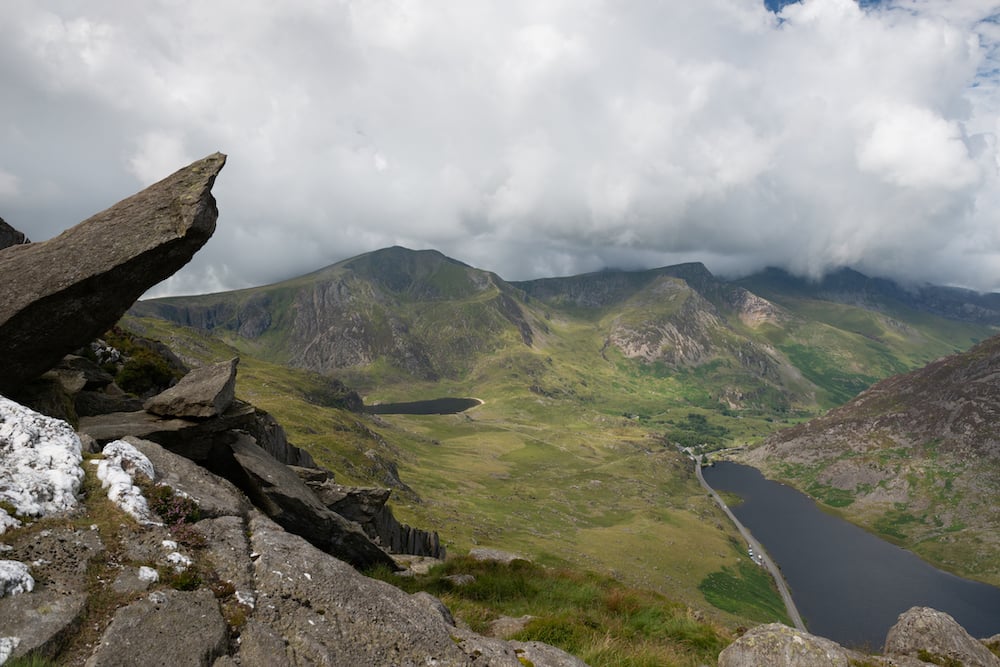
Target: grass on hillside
{"points": [[591, 616], [557, 475], [746, 590]]}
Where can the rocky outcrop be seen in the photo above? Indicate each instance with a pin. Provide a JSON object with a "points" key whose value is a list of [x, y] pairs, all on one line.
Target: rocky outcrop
{"points": [[280, 493], [367, 506], [271, 435], [10, 236], [275, 598], [923, 632], [190, 438], [204, 392], [777, 645], [326, 613], [249, 447], [62, 293], [921, 636]]}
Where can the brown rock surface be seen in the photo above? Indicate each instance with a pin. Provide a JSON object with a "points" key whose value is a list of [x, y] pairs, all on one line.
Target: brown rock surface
{"points": [[92, 273]]}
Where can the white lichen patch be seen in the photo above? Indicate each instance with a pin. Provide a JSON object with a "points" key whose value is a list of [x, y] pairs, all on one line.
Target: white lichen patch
{"points": [[7, 646], [15, 578], [117, 471], [40, 463], [245, 599], [179, 561], [147, 573]]}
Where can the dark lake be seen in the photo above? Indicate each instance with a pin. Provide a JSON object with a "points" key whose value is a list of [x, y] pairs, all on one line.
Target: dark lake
{"points": [[434, 406], [849, 585]]}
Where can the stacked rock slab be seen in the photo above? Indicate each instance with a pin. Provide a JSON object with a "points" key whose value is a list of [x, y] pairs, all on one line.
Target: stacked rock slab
{"points": [[203, 393], [63, 293], [367, 506]]}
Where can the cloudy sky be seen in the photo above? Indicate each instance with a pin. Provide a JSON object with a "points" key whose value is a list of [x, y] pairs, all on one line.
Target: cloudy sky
{"points": [[529, 137]]}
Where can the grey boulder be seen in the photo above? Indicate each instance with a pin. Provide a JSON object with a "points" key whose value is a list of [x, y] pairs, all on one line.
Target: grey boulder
{"points": [[314, 609], [202, 393], [777, 645], [10, 236], [922, 630]]}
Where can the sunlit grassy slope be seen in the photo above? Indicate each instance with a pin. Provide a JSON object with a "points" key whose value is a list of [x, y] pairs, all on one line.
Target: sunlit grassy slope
{"points": [[563, 481]]}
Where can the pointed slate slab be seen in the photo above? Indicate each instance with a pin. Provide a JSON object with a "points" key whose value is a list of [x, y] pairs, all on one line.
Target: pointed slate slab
{"points": [[62, 293]]}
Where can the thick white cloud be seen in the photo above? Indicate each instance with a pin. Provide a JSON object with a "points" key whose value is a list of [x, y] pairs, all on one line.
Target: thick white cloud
{"points": [[527, 137]]}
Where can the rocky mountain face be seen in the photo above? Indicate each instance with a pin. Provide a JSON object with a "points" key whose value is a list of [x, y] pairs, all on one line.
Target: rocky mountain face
{"points": [[684, 318], [916, 458], [421, 312]]}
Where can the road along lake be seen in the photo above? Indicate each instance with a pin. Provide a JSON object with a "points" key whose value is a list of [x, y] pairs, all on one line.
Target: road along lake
{"points": [[849, 585]]}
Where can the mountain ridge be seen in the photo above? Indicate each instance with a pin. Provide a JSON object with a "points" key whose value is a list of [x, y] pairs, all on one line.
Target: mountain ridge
{"points": [[398, 313]]}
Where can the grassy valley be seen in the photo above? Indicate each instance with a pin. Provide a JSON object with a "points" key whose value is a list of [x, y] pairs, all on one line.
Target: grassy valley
{"points": [[589, 384]]}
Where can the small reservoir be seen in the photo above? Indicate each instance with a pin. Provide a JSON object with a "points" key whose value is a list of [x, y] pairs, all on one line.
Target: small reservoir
{"points": [[849, 585], [434, 406]]}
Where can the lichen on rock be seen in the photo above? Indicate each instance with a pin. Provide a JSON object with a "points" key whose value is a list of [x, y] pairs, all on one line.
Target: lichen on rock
{"points": [[117, 472], [40, 464], [15, 578]]}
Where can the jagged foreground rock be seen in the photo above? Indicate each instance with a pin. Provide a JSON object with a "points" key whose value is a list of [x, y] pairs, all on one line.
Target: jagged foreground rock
{"points": [[62, 293], [302, 605]]}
